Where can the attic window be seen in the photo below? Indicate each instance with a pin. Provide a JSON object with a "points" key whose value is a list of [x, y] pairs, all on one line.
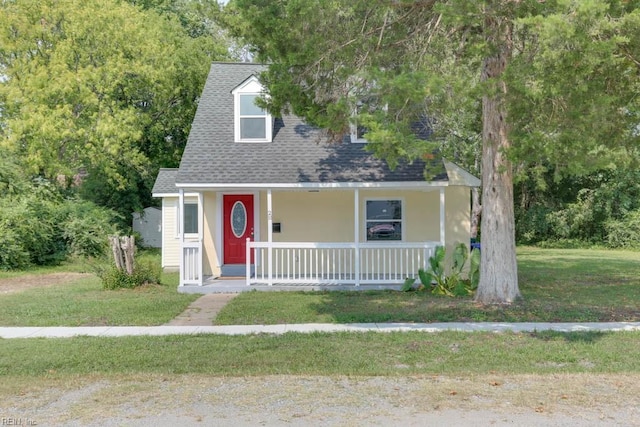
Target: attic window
{"points": [[358, 131], [252, 123]]}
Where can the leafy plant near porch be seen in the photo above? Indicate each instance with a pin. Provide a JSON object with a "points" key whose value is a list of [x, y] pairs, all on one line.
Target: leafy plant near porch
{"points": [[453, 282]]}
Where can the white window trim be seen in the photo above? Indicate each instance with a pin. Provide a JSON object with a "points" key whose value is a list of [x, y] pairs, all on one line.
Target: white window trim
{"points": [[354, 135], [401, 220], [180, 222], [353, 126], [250, 86]]}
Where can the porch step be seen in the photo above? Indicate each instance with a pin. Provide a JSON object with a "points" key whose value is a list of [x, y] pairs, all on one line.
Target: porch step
{"points": [[234, 270]]}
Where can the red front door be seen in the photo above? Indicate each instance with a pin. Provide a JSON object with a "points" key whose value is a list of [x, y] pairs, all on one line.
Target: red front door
{"points": [[237, 226]]}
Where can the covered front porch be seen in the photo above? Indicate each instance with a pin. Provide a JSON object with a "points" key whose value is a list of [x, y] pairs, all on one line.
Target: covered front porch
{"points": [[363, 236]]}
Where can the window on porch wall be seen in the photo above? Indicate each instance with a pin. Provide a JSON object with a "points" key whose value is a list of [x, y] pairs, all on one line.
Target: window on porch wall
{"points": [[190, 220], [384, 220]]}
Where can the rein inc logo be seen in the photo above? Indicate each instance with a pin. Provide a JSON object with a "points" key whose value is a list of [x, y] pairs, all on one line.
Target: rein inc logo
{"points": [[14, 421]]}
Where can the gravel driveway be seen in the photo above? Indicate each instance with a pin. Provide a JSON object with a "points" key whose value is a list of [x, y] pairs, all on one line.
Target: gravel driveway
{"points": [[492, 400]]}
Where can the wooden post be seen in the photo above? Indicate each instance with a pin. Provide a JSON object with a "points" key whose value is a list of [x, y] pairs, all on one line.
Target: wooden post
{"points": [[123, 249], [117, 251], [128, 247]]}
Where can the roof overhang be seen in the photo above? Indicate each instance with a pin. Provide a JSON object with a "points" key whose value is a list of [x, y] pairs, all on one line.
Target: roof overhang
{"points": [[414, 185], [459, 176]]}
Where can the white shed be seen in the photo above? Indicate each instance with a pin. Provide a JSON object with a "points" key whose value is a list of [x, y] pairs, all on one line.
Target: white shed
{"points": [[149, 225]]}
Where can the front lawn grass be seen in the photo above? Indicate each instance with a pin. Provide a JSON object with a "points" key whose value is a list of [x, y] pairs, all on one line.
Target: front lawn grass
{"points": [[558, 285], [83, 302], [367, 353]]}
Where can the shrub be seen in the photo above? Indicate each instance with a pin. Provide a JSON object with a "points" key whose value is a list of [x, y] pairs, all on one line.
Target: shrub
{"points": [[86, 227], [12, 252], [43, 228], [624, 233], [34, 223], [143, 273]]}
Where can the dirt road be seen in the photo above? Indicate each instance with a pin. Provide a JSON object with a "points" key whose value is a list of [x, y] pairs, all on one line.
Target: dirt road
{"points": [[492, 400]]}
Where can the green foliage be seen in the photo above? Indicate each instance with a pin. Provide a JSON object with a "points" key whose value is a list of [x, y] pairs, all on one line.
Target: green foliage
{"points": [[558, 79], [86, 227], [452, 281], [43, 226], [102, 87], [624, 233], [143, 273], [407, 286], [13, 254], [596, 209]]}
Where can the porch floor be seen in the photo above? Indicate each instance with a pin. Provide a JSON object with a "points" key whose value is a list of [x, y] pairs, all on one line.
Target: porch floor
{"points": [[212, 285]]}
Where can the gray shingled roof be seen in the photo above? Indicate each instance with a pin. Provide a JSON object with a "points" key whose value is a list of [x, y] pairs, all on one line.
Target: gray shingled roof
{"points": [[294, 156], [165, 182]]}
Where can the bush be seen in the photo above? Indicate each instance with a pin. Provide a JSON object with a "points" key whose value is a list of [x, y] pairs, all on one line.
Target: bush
{"points": [[143, 273], [43, 228], [12, 252], [624, 233], [35, 224], [86, 228]]}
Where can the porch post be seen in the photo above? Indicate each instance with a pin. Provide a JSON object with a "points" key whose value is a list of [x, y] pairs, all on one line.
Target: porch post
{"points": [[442, 217], [269, 238], [181, 233], [200, 236], [356, 232]]}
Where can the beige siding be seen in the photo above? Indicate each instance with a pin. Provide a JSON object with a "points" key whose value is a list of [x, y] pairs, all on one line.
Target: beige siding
{"points": [[170, 241], [324, 216], [327, 216], [458, 215], [211, 263]]}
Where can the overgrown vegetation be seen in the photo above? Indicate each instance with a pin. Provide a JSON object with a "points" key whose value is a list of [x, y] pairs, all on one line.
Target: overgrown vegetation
{"points": [[599, 209], [144, 273], [45, 224]]}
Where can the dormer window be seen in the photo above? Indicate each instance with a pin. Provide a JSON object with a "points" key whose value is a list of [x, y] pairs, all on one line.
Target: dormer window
{"points": [[358, 131], [252, 123]]}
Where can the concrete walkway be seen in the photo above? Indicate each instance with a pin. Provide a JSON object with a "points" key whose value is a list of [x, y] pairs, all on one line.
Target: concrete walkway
{"points": [[121, 331], [202, 311], [199, 315]]}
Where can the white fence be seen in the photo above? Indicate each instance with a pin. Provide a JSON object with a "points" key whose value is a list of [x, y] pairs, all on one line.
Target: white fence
{"points": [[191, 271], [336, 263]]}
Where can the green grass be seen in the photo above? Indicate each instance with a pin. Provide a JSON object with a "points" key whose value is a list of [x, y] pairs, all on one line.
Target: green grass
{"points": [[73, 265], [371, 353], [558, 285], [83, 302]]}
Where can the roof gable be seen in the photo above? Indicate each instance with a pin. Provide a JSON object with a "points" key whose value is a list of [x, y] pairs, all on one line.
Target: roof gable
{"points": [[251, 85], [298, 152]]}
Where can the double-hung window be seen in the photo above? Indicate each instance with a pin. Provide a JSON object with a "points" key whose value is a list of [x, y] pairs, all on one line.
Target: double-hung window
{"points": [[384, 220], [358, 131], [252, 123], [253, 119]]}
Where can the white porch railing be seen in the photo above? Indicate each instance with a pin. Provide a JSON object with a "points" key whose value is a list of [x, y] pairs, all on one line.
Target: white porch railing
{"points": [[191, 271], [336, 263]]}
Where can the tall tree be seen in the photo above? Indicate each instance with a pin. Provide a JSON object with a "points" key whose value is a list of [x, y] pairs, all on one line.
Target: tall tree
{"points": [[554, 80], [99, 86]]}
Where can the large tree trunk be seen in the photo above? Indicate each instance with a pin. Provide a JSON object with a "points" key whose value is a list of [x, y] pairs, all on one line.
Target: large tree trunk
{"points": [[499, 270]]}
